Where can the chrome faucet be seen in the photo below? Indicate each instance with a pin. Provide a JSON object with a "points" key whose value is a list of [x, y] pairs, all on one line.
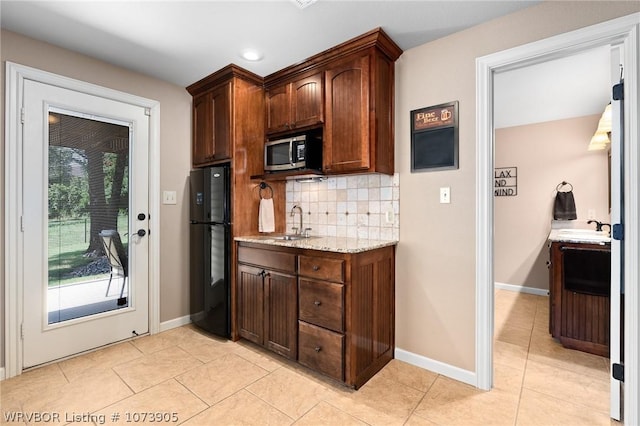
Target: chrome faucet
{"points": [[299, 230]]}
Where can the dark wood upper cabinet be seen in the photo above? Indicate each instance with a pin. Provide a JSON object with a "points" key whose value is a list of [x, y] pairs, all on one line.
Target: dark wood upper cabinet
{"points": [[295, 105], [220, 102], [356, 103], [359, 131], [346, 133], [212, 125]]}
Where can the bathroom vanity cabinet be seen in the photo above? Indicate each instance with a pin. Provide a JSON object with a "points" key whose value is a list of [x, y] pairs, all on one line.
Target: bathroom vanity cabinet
{"points": [[579, 287]]}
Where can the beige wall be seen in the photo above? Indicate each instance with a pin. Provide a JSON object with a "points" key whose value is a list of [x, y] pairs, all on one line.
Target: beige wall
{"points": [[175, 153], [545, 155], [435, 287]]}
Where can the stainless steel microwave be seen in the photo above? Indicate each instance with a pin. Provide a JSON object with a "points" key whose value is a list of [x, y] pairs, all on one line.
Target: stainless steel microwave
{"points": [[293, 153]]}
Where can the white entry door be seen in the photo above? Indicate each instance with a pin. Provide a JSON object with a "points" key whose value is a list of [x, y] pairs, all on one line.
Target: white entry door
{"points": [[85, 173]]}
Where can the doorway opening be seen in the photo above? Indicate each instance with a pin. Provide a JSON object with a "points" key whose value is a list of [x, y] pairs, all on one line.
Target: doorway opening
{"points": [[620, 32], [544, 117]]}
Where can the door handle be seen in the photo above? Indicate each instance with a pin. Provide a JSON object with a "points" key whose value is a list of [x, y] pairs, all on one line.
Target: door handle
{"points": [[139, 233]]}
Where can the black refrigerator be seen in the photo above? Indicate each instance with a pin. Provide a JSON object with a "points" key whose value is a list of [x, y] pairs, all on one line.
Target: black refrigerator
{"points": [[210, 242]]}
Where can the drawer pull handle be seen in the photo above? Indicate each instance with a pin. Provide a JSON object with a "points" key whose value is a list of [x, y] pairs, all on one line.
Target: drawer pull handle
{"points": [[317, 349], [317, 303], [316, 268]]}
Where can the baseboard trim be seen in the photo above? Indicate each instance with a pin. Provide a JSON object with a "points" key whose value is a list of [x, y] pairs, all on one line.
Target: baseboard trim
{"points": [[456, 373], [174, 323], [522, 289]]}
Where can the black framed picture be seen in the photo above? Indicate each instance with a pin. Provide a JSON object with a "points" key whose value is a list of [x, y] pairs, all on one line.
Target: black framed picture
{"points": [[434, 138]]}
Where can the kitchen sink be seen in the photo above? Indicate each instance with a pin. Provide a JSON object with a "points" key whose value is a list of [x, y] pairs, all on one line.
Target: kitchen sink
{"points": [[291, 237]]}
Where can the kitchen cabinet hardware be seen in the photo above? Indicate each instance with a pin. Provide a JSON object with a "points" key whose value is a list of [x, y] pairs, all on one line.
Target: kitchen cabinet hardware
{"points": [[317, 303], [316, 268], [317, 349]]}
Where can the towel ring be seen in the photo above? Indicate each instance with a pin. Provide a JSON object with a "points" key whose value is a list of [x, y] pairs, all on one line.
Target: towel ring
{"points": [[264, 186], [563, 183]]}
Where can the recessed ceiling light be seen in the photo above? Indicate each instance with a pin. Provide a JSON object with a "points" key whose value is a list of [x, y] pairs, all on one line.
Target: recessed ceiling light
{"points": [[251, 55], [304, 3]]}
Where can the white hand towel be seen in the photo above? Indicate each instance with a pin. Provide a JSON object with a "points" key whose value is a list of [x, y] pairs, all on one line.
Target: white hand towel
{"points": [[266, 217]]}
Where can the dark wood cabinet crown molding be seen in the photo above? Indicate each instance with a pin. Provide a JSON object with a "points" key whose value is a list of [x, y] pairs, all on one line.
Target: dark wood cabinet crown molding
{"points": [[230, 71], [375, 38]]}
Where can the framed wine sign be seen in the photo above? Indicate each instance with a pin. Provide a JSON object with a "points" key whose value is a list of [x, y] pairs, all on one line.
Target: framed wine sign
{"points": [[434, 138]]}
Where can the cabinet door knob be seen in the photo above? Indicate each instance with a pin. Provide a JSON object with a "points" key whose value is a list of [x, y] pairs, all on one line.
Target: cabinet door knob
{"points": [[317, 303], [317, 349], [315, 268]]}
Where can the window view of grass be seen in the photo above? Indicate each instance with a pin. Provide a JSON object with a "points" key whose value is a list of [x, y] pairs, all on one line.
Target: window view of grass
{"points": [[69, 261]]}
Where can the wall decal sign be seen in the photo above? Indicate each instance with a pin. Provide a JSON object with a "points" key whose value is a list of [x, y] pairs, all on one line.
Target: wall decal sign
{"points": [[434, 138], [505, 182]]}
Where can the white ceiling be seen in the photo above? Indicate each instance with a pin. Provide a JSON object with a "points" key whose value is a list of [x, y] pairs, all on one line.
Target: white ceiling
{"points": [[184, 41], [569, 87]]}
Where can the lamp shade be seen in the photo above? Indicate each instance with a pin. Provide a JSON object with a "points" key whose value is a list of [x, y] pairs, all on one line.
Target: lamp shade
{"points": [[601, 139]]}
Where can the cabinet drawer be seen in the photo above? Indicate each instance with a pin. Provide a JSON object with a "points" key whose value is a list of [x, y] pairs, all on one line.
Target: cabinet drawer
{"points": [[322, 303], [321, 350], [267, 258], [322, 268]]}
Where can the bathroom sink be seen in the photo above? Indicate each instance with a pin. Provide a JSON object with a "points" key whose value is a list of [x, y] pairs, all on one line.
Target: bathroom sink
{"points": [[584, 235], [580, 231]]}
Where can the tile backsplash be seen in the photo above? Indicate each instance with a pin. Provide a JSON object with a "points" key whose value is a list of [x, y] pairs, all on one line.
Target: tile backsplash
{"points": [[358, 206]]}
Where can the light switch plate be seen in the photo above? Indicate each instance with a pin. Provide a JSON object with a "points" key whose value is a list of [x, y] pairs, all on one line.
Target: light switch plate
{"points": [[169, 197], [445, 195]]}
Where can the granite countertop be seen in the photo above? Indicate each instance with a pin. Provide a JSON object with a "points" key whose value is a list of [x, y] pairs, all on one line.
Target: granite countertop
{"points": [[573, 235], [334, 244]]}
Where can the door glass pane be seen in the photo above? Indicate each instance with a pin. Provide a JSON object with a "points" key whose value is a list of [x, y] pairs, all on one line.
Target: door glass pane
{"points": [[88, 220]]}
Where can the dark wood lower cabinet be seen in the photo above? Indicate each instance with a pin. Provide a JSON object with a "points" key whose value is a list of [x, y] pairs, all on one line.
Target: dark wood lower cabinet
{"points": [[580, 296], [281, 314], [268, 300], [322, 350], [333, 312], [251, 303]]}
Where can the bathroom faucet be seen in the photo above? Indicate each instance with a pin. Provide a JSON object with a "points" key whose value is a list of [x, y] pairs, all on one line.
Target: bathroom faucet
{"points": [[299, 230], [599, 225]]}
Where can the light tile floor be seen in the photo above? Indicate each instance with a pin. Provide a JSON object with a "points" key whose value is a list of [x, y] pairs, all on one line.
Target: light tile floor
{"points": [[207, 381]]}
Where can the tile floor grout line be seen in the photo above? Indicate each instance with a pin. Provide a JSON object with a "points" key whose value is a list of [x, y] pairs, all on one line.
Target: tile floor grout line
{"points": [[413, 410], [524, 371], [124, 381], [421, 399], [267, 402]]}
